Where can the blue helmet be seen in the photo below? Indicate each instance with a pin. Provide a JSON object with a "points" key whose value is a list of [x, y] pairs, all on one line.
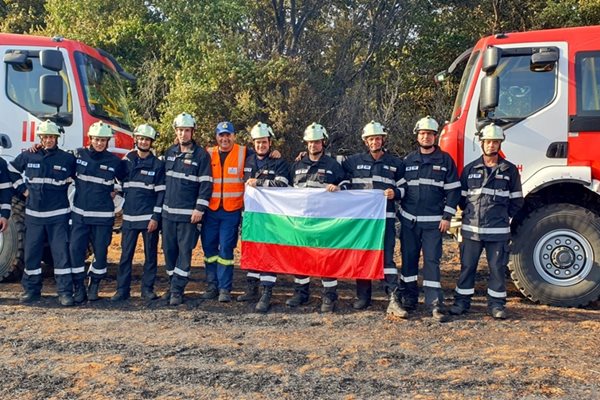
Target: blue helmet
{"points": [[224, 127]]}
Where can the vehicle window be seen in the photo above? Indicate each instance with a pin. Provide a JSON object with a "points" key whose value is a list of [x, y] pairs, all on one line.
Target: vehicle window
{"points": [[522, 91], [465, 84], [588, 83], [22, 88]]}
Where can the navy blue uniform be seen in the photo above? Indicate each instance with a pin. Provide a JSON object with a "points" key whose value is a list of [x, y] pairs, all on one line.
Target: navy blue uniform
{"points": [[144, 191], [490, 197], [46, 175], [6, 191], [268, 172], [432, 192], [93, 213], [317, 174], [188, 188], [364, 172]]}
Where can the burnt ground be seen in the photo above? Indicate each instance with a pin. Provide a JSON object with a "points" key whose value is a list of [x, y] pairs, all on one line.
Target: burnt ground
{"points": [[205, 349]]}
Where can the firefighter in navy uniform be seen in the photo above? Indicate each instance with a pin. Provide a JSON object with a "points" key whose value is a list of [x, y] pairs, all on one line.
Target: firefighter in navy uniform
{"points": [[377, 169], [188, 190], [93, 212], [144, 190], [262, 171], [491, 195], [47, 175], [316, 170], [432, 191], [6, 193]]}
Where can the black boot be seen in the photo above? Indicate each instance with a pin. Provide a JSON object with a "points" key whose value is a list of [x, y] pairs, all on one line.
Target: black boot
{"points": [[29, 297], [264, 303], [80, 293], [93, 289], [251, 292], [211, 293]]}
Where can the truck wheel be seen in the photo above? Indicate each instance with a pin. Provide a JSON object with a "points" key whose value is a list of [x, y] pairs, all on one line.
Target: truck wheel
{"points": [[555, 256], [11, 243]]}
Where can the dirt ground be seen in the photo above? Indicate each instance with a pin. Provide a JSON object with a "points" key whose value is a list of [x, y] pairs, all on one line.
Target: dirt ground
{"points": [[205, 349]]}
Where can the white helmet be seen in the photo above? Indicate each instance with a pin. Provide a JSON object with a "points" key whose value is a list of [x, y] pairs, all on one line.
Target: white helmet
{"points": [[373, 129], [100, 129], [315, 132], [261, 130], [426, 124], [47, 128], [145, 130], [184, 120], [492, 132]]}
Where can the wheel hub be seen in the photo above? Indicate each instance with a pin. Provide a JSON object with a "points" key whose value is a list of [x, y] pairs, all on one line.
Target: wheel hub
{"points": [[563, 257]]}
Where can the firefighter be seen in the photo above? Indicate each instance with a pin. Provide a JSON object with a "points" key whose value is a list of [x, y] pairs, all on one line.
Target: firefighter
{"points": [[491, 195], [377, 169], [221, 224], [188, 190], [43, 177], [144, 190], [6, 193], [261, 170], [431, 194], [316, 170], [93, 213]]}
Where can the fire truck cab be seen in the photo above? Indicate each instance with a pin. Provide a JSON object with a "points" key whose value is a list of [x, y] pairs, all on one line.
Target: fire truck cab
{"points": [[543, 88], [64, 81]]}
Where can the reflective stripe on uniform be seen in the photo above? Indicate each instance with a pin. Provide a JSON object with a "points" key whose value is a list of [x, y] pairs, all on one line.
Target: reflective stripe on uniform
{"points": [[180, 211], [97, 214], [77, 270], [62, 271], [181, 272], [421, 218], [157, 209], [98, 271], [390, 215], [489, 231], [49, 181], [192, 178], [304, 281], [268, 278], [425, 181], [377, 178], [390, 271], [224, 261], [450, 210], [491, 192], [160, 188], [137, 218], [254, 275], [432, 284], [465, 292], [493, 293], [47, 214], [452, 185], [515, 195], [412, 278], [5, 185], [139, 185], [330, 283], [95, 179], [37, 271], [211, 259]]}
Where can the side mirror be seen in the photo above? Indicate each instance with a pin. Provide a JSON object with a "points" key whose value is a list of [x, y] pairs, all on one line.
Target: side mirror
{"points": [[488, 98], [491, 58], [51, 90], [51, 60]]}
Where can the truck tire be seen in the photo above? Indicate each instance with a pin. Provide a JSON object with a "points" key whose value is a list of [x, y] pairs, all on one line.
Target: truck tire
{"points": [[555, 256], [11, 243]]}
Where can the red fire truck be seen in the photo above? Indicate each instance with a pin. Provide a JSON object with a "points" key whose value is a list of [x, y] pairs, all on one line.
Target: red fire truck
{"points": [[543, 88], [67, 82]]}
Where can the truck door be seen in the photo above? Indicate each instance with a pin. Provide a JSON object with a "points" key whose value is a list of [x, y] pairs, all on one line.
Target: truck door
{"points": [[532, 109], [21, 108]]}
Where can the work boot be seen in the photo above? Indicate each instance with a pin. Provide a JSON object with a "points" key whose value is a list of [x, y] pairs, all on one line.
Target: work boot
{"points": [[251, 292], [149, 294], [394, 308], [80, 295], [361, 303], [166, 295], [66, 300], [498, 313], [328, 305], [93, 289], [119, 296], [176, 299], [296, 300], [264, 303], [224, 296], [439, 314], [29, 297], [409, 304], [210, 294], [457, 309]]}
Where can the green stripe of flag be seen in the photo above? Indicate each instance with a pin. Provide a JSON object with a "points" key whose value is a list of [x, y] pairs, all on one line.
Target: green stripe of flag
{"points": [[329, 233]]}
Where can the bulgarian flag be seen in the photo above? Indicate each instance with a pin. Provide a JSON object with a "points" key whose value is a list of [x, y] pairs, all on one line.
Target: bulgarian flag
{"points": [[314, 232]]}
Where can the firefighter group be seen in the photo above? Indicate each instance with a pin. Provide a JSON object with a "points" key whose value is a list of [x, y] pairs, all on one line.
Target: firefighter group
{"points": [[193, 193]]}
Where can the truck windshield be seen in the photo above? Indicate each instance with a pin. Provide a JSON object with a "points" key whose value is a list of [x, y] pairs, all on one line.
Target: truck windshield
{"points": [[104, 95], [465, 84]]}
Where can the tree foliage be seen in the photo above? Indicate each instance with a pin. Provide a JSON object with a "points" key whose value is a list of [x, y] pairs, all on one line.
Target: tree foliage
{"points": [[289, 62]]}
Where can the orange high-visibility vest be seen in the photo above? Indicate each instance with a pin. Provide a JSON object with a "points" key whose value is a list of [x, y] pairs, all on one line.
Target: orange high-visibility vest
{"points": [[228, 183]]}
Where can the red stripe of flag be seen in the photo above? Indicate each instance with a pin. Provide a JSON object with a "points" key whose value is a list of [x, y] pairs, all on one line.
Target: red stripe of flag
{"points": [[330, 263]]}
